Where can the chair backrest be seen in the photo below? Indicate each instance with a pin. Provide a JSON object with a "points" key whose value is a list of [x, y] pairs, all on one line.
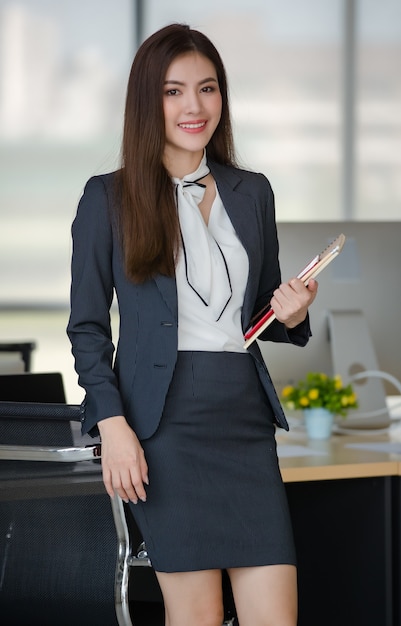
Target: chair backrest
{"points": [[57, 533], [31, 427], [35, 424], [32, 387]]}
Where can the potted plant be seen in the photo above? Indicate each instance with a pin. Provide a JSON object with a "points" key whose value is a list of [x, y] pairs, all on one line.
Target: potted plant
{"points": [[320, 397]]}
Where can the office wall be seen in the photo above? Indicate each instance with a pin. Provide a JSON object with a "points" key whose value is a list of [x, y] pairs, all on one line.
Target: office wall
{"points": [[331, 146]]}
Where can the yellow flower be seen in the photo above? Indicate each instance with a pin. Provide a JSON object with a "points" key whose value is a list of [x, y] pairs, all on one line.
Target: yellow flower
{"points": [[319, 389], [338, 383], [352, 398], [287, 391], [349, 400]]}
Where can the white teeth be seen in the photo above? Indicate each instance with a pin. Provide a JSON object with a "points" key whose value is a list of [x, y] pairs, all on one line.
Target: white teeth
{"points": [[192, 125]]}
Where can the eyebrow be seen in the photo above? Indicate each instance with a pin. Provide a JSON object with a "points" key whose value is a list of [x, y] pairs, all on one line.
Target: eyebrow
{"points": [[201, 82]]}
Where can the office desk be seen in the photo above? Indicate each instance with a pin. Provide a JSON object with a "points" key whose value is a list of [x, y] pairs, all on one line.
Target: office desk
{"points": [[339, 457], [345, 507]]}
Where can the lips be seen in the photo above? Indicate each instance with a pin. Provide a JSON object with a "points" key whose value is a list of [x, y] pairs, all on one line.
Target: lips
{"points": [[192, 125]]}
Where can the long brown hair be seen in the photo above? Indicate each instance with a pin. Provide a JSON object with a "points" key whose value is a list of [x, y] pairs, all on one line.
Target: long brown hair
{"points": [[147, 214]]}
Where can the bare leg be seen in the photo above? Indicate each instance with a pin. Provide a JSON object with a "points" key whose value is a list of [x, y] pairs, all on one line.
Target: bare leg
{"points": [[265, 596], [192, 598]]}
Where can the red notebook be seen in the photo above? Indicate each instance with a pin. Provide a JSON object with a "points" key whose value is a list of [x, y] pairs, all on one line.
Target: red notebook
{"points": [[266, 316]]}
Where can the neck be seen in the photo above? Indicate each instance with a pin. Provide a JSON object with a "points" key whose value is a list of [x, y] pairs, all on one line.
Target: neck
{"points": [[178, 165]]}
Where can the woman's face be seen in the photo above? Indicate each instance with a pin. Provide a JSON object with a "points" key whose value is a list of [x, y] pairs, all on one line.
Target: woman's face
{"points": [[192, 106]]}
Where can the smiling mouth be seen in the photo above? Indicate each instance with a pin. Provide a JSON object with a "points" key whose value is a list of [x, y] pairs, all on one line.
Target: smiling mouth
{"points": [[192, 126]]}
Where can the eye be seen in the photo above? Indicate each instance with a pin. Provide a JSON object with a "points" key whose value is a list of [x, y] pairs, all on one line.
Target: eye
{"points": [[172, 92], [208, 89]]}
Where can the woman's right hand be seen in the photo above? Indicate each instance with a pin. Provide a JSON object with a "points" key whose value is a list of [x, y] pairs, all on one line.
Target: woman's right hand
{"points": [[124, 467]]}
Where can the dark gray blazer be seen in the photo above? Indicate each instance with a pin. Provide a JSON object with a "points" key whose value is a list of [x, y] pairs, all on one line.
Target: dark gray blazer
{"points": [[136, 383]]}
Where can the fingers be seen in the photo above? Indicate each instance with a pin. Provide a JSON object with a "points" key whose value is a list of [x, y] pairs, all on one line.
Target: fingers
{"points": [[144, 471], [311, 289], [299, 287], [124, 467], [295, 294], [291, 301], [128, 483], [131, 487], [107, 481], [313, 286]]}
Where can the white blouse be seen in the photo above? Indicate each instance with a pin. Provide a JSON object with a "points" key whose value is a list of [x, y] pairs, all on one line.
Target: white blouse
{"points": [[197, 326]]}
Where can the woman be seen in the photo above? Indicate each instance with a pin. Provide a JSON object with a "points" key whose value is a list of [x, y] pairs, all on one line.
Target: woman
{"points": [[187, 242]]}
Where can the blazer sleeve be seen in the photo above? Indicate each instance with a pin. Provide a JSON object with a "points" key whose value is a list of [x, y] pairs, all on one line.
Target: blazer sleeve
{"points": [[92, 289], [270, 278]]}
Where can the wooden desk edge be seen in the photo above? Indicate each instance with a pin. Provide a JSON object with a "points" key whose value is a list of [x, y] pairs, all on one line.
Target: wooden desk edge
{"points": [[333, 472]]}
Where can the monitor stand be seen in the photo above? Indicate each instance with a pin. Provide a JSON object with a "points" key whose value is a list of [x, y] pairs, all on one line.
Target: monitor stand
{"points": [[353, 353]]}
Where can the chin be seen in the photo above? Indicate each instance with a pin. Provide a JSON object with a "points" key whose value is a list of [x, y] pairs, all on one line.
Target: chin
{"points": [[189, 147]]}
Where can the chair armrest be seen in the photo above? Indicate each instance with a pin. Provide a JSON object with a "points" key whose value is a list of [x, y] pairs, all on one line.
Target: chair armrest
{"points": [[46, 453]]}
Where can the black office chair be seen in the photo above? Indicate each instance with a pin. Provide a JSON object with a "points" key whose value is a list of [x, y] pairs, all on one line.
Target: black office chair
{"points": [[57, 532], [68, 556]]}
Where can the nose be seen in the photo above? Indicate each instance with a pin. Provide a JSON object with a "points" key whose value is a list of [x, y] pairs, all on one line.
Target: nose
{"points": [[192, 102]]}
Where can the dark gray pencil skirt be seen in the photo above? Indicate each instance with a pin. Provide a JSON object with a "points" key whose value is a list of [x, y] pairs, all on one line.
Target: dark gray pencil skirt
{"points": [[215, 498]]}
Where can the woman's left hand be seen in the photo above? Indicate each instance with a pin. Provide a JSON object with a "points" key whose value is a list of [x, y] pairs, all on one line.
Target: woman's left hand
{"points": [[290, 302]]}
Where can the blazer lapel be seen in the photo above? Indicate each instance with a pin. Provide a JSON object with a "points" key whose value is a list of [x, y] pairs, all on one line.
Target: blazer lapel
{"points": [[242, 212]]}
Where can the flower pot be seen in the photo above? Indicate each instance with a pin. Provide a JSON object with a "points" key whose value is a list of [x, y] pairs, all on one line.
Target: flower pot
{"points": [[319, 423]]}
